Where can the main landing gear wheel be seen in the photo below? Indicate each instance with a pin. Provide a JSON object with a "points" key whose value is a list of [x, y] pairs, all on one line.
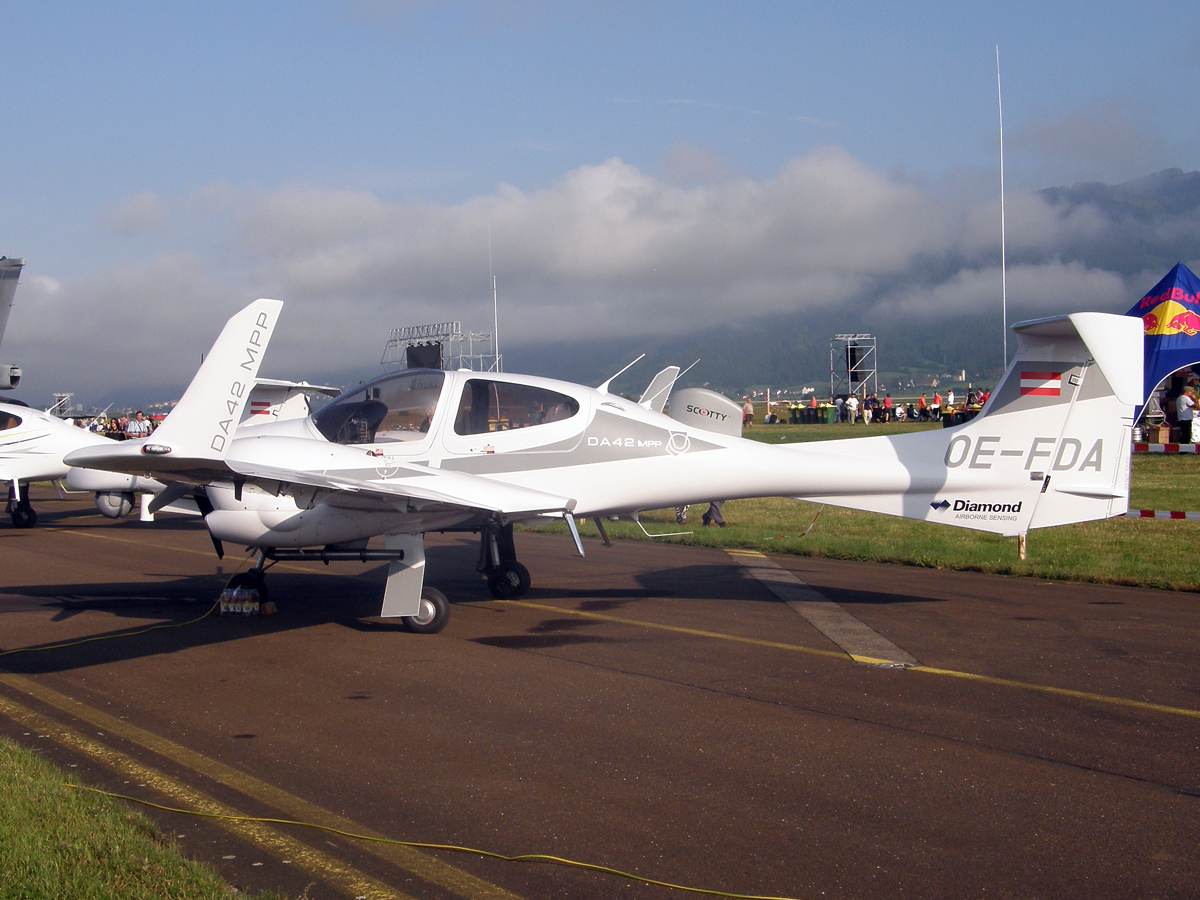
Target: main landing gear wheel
{"points": [[433, 615], [24, 517], [253, 579], [509, 581]]}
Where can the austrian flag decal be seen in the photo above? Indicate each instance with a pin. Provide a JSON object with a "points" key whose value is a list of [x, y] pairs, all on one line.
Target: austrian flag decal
{"points": [[1041, 384], [263, 407]]}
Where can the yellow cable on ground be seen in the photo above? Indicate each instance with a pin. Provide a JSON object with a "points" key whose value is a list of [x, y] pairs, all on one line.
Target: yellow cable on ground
{"points": [[124, 634], [111, 637], [528, 857]]}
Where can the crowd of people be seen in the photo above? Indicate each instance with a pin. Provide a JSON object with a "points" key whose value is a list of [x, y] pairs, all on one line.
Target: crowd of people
{"points": [[120, 428], [923, 409], [870, 408]]}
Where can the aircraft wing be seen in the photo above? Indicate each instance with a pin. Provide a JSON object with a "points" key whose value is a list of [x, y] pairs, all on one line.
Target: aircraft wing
{"points": [[416, 486]]}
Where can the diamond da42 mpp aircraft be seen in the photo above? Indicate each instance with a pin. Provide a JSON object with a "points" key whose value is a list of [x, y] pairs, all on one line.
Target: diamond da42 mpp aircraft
{"points": [[426, 450]]}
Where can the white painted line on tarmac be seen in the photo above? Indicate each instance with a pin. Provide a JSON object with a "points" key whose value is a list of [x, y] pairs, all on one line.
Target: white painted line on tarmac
{"points": [[857, 638]]}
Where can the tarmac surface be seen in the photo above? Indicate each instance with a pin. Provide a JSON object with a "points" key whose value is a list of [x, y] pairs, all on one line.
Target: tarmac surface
{"points": [[654, 709]]}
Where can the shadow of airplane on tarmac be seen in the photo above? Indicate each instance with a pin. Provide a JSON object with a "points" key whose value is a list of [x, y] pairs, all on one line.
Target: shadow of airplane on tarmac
{"points": [[311, 596]]}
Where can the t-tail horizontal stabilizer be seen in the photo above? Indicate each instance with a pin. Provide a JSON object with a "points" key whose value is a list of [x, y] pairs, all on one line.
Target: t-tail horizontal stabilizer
{"points": [[1051, 447], [193, 440]]}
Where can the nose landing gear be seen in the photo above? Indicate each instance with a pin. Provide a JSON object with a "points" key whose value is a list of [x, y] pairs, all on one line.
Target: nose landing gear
{"points": [[507, 579]]}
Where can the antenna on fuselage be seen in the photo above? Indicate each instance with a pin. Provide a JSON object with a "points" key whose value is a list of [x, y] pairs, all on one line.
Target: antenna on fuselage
{"points": [[604, 386], [1003, 261], [497, 364]]}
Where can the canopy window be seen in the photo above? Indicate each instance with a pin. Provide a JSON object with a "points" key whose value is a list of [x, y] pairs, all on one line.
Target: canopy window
{"points": [[502, 406], [394, 408]]}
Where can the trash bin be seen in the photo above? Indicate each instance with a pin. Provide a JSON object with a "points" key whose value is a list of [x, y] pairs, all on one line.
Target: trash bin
{"points": [[794, 415], [830, 414]]}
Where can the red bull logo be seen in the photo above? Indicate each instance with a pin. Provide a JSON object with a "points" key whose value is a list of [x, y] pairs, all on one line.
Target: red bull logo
{"points": [[1187, 322], [1170, 318]]}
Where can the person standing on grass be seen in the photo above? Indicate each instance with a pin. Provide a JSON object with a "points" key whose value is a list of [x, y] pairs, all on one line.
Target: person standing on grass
{"points": [[137, 427], [1185, 407], [714, 514], [747, 413], [852, 409]]}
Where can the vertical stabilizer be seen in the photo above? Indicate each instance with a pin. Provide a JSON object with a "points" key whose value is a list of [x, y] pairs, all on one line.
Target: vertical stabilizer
{"points": [[1051, 447], [10, 272]]}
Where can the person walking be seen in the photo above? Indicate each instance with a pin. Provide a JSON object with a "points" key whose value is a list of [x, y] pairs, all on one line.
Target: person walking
{"points": [[713, 515]]}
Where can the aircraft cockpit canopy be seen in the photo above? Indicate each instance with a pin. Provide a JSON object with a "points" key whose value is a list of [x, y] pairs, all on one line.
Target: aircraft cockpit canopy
{"points": [[393, 408], [8, 420]]}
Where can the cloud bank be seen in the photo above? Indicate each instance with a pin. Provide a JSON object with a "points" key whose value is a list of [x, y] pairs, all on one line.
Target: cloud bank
{"points": [[609, 251]]}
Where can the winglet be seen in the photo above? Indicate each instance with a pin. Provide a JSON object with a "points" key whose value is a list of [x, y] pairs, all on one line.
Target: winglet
{"points": [[192, 441], [201, 425]]}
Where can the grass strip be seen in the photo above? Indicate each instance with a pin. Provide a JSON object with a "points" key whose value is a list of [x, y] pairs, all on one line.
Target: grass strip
{"points": [[57, 842]]}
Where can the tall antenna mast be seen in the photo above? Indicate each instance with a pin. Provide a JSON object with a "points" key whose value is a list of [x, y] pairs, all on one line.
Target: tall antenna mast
{"points": [[1003, 259], [495, 307]]}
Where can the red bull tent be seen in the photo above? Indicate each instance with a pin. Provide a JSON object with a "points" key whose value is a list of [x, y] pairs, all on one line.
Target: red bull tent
{"points": [[1171, 313]]}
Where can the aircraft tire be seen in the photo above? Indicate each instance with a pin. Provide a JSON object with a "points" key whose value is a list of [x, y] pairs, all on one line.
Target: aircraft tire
{"points": [[434, 614], [509, 581], [24, 517], [253, 580]]}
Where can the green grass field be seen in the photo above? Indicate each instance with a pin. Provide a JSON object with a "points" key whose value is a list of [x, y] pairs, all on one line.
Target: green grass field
{"points": [[1144, 553], [56, 842]]}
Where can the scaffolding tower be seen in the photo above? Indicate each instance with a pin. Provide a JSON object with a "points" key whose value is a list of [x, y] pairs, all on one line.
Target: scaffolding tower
{"points": [[853, 365], [445, 342]]}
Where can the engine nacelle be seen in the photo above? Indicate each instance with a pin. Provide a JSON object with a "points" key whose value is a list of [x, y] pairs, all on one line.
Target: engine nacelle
{"points": [[115, 504], [10, 377], [264, 520], [100, 481]]}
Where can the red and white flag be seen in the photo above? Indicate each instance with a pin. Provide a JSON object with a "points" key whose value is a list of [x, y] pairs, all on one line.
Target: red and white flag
{"points": [[263, 407], [1041, 384]]}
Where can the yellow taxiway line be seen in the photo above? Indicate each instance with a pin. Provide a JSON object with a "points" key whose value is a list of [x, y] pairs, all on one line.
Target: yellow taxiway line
{"points": [[422, 865], [925, 670]]}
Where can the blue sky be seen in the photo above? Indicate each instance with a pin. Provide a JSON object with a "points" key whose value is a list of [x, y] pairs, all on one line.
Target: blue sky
{"points": [[163, 155]]}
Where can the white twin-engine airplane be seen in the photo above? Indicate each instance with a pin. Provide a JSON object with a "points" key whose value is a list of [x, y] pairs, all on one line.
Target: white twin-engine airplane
{"points": [[425, 450]]}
